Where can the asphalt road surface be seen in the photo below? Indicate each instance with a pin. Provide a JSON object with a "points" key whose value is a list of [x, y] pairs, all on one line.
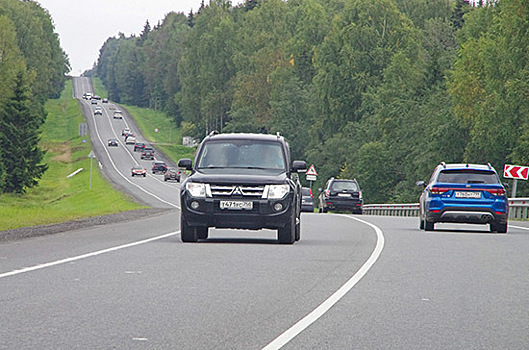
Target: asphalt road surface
{"points": [[351, 282]]}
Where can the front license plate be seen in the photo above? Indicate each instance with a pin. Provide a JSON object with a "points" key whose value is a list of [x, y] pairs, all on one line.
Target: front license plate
{"points": [[236, 205], [468, 194]]}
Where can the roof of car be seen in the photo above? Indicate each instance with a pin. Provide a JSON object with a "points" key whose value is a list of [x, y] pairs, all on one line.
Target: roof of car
{"points": [[244, 136], [466, 166]]}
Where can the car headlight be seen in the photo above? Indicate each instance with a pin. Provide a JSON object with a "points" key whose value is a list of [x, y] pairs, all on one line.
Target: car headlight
{"points": [[277, 191], [198, 190]]}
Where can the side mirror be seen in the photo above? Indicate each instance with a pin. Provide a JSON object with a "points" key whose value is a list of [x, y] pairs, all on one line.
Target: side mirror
{"points": [[299, 166], [421, 183], [185, 163]]}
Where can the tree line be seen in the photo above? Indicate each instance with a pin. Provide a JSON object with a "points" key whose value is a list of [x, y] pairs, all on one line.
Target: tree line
{"points": [[33, 68], [377, 90]]}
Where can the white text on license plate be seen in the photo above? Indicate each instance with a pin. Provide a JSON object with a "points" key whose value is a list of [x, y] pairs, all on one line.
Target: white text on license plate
{"points": [[344, 195], [468, 194], [236, 205]]}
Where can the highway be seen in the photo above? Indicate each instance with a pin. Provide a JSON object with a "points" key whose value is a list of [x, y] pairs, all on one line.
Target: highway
{"points": [[351, 282]]}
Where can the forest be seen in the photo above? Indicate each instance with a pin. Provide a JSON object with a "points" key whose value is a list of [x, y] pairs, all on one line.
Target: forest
{"points": [[33, 68], [377, 90]]}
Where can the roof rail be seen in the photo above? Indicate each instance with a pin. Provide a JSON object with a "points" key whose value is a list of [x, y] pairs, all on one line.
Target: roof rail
{"points": [[490, 166], [443, 164], [278, 135], [214, 132]]}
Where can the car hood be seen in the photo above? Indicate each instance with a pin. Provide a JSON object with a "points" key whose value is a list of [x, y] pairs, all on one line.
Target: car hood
{"points": [[260, 178]]}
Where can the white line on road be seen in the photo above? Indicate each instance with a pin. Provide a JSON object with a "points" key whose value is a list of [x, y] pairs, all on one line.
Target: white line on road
{"points": [[301, 325], [84, 256]]}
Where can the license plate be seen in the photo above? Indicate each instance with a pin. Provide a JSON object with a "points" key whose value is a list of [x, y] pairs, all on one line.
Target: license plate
{"points": [[344, 195], [468, 194], [236, 205]]}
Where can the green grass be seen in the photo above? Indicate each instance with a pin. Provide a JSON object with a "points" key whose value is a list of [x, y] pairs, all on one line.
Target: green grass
{"points": [[58, 198], [168, 139]]}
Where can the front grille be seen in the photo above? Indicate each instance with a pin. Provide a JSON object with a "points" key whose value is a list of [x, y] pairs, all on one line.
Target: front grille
{"points": [[224, 191]]}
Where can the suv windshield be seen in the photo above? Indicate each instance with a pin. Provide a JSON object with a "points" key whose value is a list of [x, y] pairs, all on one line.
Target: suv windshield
{"points": [[242, 154], [344, 185], [470, 176]]}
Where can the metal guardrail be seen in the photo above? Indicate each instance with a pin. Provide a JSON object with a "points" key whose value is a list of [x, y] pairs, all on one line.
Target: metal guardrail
{"points": [[518, 209], [410, 209]]}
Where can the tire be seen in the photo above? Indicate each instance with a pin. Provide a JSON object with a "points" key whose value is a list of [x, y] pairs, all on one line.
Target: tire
{"points": [[500, 228], [187, 233], [202, 232], [298, 230], [287, 234], [421, 224], [144, 175], [428, 226]]}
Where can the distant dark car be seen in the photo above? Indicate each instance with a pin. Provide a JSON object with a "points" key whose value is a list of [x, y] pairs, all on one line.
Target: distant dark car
{"points": [[464, 193], [147, 153], [307, 201], [341, 195], [159, 167], [138, 170], [172, 174], [139, 146], [112, 143]]}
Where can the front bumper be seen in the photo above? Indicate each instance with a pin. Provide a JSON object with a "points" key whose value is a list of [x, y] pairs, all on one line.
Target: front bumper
{"points": [[262, 215]]}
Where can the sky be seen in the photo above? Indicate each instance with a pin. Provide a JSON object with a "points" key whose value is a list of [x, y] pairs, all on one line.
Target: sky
{"points": [[83, 26]]}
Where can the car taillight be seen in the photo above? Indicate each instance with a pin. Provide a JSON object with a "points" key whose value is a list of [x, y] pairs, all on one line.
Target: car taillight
{"points": [[311, 193], [438, 190], [360, 194], [497, 192], [327, 192]]}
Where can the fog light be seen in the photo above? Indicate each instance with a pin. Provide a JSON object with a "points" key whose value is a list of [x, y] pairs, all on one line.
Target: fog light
{"points": [[278, 206], [195, 205]]}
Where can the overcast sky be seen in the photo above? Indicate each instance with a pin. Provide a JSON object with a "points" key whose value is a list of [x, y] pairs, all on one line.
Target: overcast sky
{"points": [[83, 26]]}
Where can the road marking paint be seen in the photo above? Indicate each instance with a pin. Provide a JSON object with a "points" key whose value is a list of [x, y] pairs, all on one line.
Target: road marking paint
{"points": [[84, 256], [301, 325], [520, 227]]}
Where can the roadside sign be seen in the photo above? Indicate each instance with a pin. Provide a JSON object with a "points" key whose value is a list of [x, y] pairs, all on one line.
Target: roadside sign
{"points": [[516, 172], [311, 177], [91, 154], [312, 171]]}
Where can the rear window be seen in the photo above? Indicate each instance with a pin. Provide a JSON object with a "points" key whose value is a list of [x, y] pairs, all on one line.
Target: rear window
{"points": [[305, 191], [344, 185], [468, 176]]}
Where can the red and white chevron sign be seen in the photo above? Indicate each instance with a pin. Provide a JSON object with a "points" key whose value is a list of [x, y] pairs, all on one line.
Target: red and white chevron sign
{"points": [[515, 172]]}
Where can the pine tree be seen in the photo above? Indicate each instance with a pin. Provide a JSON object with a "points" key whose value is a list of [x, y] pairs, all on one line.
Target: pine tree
{"points": [[21, 156]]}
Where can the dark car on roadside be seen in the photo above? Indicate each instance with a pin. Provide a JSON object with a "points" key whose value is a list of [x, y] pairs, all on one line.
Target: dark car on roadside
{"points": [[139, 146], [172, 174], [307, 200], [241, 181], [341, 195], [159, 167], [464, 193], [112, 143]]}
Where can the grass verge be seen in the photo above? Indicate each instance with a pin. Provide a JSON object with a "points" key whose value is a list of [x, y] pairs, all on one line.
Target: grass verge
{"points": [[58, 198]]}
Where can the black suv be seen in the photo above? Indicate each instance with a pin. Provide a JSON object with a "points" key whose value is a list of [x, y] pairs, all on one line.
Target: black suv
{"points": [[147, 153], [241, 181], [341, 195]]}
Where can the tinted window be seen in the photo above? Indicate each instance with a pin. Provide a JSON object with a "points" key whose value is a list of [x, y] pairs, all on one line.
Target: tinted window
{"points": [[468, 176], [242, 154], [305, 191], [344, 185]]}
